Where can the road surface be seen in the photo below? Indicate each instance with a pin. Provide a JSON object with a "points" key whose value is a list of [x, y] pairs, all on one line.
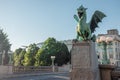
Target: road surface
{"points": [[60, 76]]}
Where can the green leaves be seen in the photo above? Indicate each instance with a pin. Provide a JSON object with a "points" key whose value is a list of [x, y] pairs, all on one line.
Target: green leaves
{"points": [[51, 47], [4, 42], [25, 58], [16, 57], [29, 58], [35, 56], [4, 47]]}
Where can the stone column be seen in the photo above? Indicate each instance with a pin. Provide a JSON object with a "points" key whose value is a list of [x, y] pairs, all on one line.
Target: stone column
{"points": [[84, 61], [5, 58]]}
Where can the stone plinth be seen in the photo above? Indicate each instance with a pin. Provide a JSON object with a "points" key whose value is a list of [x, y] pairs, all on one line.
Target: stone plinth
{"points": [[107, 72], [84, 61]]}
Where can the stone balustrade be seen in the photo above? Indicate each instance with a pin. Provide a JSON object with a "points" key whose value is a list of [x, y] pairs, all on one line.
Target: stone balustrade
{"points": [[27, 69]]}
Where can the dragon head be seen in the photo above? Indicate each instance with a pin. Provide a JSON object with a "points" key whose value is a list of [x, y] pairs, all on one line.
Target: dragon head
{"points": [[81, 10]]}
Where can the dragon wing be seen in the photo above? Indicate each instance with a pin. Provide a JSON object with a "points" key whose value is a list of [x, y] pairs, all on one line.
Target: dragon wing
{"points": [[96, 18]]}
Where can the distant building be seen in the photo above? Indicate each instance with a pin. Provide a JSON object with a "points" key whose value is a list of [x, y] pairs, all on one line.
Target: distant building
{"points": [[68, 44], [113, 49]]}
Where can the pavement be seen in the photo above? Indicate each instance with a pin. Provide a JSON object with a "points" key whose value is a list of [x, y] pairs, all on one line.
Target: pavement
{"points": [[3, 76]]}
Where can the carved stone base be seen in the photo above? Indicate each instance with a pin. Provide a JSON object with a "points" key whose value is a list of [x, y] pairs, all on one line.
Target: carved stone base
{"points": [[82, 74], [84, 61]]}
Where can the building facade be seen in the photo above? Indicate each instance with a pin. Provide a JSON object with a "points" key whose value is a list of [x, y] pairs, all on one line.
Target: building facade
{"points": [[112, 41]]}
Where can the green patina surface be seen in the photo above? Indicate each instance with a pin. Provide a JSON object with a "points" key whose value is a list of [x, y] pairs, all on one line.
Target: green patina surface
{"points": [[85, 30]]}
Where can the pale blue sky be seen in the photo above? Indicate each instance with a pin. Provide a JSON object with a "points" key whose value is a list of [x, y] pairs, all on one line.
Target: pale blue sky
{"points": [[33, 21]]}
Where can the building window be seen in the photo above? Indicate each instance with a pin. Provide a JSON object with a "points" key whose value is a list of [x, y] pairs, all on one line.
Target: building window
{"points": [[111, 55], [116, 50], [110, 50], [115, 43], [116, 56], [118, 44]]}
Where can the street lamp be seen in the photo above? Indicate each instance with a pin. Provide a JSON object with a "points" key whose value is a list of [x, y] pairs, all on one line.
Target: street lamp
{"points": [[53, 67], [104, 41]]}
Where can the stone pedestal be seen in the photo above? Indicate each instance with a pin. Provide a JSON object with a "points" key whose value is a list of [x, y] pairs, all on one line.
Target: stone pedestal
{"points": [[107, 72], [84, 61]]}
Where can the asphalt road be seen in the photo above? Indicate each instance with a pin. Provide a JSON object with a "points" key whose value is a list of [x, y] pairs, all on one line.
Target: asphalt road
{"points": [[61, 76]]}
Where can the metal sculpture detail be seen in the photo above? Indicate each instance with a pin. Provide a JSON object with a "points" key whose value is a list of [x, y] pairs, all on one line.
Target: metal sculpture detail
{"points": [[85, 30]]}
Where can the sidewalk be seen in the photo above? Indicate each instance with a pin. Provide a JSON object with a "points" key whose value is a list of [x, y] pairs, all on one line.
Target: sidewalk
{"points": [[26, 74]]}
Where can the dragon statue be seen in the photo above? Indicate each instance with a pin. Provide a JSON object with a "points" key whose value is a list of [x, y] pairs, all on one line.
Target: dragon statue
{"points": [[85, 30]]}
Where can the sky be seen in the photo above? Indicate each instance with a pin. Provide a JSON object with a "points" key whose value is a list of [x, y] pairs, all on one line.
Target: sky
{"points": [[33, 21]]}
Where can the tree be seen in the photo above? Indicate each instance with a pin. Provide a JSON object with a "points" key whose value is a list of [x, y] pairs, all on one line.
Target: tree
{"points": [[16, 59], [21, 57], [29, 57], [63, 55], [41, 57], [4, 42], [51, 47], [4, 47]]}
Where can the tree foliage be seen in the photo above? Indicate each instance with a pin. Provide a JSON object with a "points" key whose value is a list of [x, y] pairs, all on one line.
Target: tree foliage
{"points": [[21, 57], [4, 41], [4, 47], [62, 54], [35, 56], [51, 47], [16, 55], [29, 57]]}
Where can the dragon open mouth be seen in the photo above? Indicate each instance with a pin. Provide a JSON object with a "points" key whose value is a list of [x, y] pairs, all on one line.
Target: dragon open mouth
{"points": [[80, 14]]}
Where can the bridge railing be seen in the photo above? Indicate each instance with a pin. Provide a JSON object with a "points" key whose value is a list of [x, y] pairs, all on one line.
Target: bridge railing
{"points": [[27, 69]]}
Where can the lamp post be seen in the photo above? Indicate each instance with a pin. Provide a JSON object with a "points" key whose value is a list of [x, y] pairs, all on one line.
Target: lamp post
{"points": [[53, 67], [104, 41]]}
